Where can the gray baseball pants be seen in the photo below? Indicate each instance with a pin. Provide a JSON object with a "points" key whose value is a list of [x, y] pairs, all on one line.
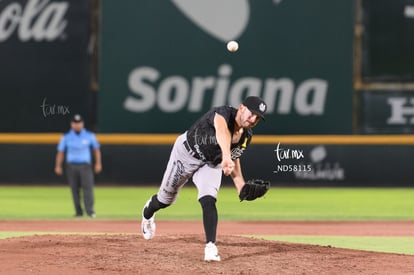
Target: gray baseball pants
{"points": [[81, 178], [181, 166]]}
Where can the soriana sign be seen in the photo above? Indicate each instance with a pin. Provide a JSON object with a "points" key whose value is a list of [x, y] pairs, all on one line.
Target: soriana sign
{"points": [[160, 73]]}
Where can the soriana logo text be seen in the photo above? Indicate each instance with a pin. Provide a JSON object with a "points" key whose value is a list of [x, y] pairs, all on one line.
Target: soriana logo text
{"points": [[38, 20]]}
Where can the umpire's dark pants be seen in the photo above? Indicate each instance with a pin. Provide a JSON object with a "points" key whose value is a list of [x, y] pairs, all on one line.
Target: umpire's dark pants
{"points": [[80, 177]]}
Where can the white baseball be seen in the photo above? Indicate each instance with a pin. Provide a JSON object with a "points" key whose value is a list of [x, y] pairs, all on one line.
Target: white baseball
{"points": [[232, 46]]}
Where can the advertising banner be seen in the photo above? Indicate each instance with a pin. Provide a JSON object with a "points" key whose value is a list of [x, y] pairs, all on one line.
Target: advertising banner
{"points": [[164, 63], [337, 165], [44, 67], [283, 164], [386, 112]]}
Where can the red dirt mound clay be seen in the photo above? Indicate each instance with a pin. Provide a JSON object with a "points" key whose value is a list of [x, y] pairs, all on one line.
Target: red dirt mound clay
{"points": [[182, 252]]}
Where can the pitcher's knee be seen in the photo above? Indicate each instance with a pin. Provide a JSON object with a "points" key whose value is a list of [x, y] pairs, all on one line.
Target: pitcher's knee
{"points": [[208, 202]]}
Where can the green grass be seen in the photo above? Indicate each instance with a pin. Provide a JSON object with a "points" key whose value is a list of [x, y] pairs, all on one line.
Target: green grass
{"points": [[400, 245], [4, 235], [280, 204], [50, 203], [287, 204], [306, 204]]}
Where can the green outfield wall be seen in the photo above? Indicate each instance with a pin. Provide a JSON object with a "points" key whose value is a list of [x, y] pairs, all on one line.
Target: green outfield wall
{"points": [[45, 64], [164, 63], [336, 76], [285, 160]]}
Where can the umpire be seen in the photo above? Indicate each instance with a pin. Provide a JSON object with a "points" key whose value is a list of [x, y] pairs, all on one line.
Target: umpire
{"points": [[77, 144]]}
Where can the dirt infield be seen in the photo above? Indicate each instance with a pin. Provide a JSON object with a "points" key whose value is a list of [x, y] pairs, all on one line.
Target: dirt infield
{"points": [[178, 249]]}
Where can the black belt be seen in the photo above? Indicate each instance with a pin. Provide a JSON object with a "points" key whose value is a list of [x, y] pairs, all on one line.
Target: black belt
{"points": [[190, 151]]}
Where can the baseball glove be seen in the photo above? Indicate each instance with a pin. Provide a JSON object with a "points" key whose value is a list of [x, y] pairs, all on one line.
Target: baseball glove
{"points": [[253, 189]]}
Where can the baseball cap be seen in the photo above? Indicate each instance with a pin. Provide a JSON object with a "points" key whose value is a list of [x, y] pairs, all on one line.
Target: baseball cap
{"points": [[77, 118], [256, 105]]}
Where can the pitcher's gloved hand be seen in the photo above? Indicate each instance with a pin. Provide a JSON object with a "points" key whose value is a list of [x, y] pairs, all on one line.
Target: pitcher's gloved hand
{"points": [[253, 189]]}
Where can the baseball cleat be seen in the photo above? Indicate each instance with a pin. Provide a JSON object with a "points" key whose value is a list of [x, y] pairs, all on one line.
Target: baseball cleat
{"points": [[148, 225], [211, 253]]}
